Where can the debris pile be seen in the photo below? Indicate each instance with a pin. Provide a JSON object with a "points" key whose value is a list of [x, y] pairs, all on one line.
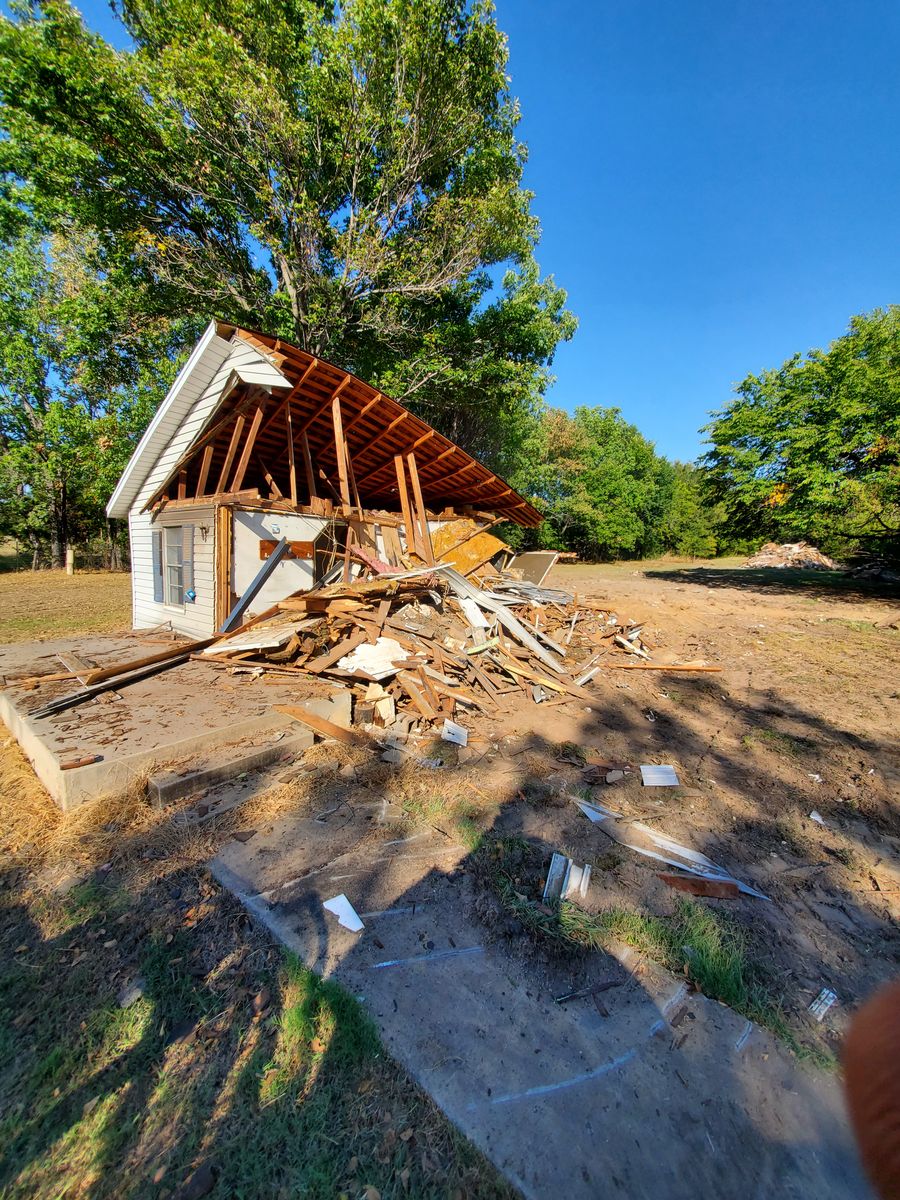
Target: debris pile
{"points": [[421, 646], [792, 554]]}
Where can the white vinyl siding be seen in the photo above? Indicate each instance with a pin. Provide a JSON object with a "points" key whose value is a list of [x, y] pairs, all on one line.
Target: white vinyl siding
{"points": [[194, 619], [186, 427]]}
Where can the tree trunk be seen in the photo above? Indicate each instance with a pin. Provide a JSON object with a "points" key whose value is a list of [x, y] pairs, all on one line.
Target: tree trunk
{"points": [[59, 529]]}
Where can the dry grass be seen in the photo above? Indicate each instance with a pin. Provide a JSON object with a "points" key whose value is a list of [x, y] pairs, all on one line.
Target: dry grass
{"points": [[296, 1099], [29, 819], [47, 604]]}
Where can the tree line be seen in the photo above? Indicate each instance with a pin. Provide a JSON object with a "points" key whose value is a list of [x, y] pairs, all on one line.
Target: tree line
{"points": [[351, 179]]}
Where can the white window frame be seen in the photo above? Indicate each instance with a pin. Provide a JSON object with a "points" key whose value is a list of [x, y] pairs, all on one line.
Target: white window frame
{"points": [[168, 589]]}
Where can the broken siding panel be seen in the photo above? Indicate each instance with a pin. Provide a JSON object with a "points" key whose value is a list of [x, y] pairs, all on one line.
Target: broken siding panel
{"points": [[182, 429], [197, 619]]}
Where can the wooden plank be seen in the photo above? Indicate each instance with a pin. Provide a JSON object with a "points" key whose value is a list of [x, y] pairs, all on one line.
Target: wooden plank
{"points": [[81, 671], [411, 540], [429, 690], [350, 472], [421, 703], [292, 465], [222, 563], [330, 657], [340, 450], [307, 463], [326, 728], [244, 460], [182, 485], [392, 548], [720, 889], [627, 666], [420, 504], [275, 492], [205, 464], [232, 451]]}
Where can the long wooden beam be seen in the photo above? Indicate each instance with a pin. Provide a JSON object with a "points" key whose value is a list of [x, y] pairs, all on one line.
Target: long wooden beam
{"points": [[232, 451], [307, 464], [244, 460], [205, 464], [292, 465], [420, 504], [340, 450], [412, 542]]}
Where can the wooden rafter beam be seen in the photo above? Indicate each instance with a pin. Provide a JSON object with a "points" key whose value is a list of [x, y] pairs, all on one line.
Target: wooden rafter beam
{"points": [[376, 471], [205, 464], [244, 460], [292, 465], [380, 438], [325, 405], [359, 416], [471, 466], [204, 440], [308, 467], [275, 491], [231, 452], [340, 447]]}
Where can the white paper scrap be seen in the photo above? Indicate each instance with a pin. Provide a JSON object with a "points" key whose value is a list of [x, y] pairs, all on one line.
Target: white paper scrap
{"points": [[816, 816], [345, 912], [452, 732], [659, 776]]}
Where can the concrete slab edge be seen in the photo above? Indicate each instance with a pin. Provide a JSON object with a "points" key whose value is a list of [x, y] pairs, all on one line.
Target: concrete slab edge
{"points": [[163, 789], [71, 788]]}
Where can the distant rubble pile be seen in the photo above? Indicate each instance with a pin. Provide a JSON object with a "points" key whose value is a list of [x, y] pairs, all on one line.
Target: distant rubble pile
{"points": [[791, 554]]}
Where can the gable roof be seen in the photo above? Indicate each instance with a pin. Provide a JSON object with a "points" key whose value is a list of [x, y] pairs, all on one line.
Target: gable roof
{"points": [[198, 428]]}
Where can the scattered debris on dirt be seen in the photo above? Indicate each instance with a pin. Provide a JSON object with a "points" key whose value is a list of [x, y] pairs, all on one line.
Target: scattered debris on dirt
{"points": [[800, 555]]}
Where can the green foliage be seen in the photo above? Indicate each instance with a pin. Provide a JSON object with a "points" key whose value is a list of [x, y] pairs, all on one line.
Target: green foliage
{"points": [[812, 450], [606, 492], [346, 178], [79, 379]]}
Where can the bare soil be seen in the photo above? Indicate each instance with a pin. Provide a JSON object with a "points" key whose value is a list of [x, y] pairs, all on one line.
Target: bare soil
{"points": [[802, 719]]}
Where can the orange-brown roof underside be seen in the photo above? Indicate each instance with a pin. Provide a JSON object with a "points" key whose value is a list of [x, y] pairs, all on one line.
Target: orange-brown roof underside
{"points": [[375, 427]]}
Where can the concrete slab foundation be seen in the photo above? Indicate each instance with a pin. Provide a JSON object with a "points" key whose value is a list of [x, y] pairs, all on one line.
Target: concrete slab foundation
{"points": [[659, 1092], [193, 720]]}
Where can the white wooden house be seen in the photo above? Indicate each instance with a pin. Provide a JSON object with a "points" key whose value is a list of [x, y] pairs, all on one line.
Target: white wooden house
{"points": [[258, 441]]}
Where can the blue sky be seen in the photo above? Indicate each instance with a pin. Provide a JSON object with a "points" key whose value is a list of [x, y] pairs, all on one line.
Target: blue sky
{"points": [[718, 183]]}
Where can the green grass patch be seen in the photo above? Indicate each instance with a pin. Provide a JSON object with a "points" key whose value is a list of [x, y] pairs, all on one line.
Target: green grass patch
{"points": [[233, 1057], [708, 945], [780, 743]]}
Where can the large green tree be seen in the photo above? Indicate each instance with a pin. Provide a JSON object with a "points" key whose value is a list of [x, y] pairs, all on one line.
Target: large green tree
{"points": [[812, 449], [602, 487], [349, 177], [79, 379]]}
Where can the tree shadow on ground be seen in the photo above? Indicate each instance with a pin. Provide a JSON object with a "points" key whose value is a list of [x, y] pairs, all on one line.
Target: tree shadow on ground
{"points": [[818, 585], [189, 1087]]}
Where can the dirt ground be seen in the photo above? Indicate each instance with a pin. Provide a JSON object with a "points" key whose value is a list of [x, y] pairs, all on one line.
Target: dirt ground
{"points": [[46, 604], [802, 719]]}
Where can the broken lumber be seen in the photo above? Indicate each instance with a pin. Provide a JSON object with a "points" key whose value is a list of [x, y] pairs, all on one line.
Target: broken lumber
{"points": [[323, 727]]}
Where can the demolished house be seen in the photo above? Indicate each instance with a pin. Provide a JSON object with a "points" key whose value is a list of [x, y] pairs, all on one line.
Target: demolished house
{"points": [[258, 441], [291, 524]]}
